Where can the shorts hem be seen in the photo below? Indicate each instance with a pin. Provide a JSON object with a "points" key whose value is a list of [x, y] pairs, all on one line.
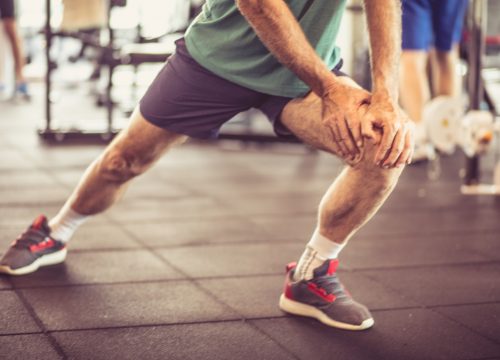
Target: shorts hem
{"points": [[175, 129]]}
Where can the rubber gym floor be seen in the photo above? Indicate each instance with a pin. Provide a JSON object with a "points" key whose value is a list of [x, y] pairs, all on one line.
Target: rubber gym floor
{"points": [[190, 264]]}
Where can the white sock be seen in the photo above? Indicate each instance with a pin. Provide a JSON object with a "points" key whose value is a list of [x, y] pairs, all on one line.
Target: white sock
{"points": [[65, 223], [317, 251]]}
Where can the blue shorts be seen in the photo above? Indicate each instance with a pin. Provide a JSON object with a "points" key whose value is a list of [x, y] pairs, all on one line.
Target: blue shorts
{"points": [[188, 99], [432, 23]]}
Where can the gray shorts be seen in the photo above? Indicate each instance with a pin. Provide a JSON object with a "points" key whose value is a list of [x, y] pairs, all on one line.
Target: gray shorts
{"points": [[188, 99]]}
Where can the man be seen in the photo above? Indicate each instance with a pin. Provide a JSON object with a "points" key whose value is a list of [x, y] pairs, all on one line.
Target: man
{"points": [[276, 56], [431, 32], [7, 17]]}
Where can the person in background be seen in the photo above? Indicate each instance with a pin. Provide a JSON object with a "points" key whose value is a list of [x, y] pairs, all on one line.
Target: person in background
{"points": [[7, 17], [431, 33]]}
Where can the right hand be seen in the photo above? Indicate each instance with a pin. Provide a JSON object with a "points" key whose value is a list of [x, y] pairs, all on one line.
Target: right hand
{"points": [[341, 102]]}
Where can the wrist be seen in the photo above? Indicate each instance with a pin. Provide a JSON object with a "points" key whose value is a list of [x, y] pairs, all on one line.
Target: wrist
{"points": [[385, 94], [330, 84]]}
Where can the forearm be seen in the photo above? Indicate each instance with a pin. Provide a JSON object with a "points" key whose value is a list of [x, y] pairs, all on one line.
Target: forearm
{"points": [[280, 32], [384, 26]]}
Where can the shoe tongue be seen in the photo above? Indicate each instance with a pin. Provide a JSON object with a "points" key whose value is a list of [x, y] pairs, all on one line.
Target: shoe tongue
{"points": [[327, 268], [40, 223]]}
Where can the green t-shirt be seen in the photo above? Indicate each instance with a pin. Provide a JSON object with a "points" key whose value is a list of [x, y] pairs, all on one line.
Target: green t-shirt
{"points": [[221, 40]]}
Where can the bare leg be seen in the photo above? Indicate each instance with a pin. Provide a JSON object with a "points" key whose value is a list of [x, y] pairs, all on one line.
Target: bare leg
{"points": [[312, 288], [131, 153], [415, 90], [443, 69], [358, 191], [16, 44]]}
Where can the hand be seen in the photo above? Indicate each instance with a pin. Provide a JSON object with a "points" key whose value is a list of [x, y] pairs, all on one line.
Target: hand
{"points": [[341, 103], [391, 129]]}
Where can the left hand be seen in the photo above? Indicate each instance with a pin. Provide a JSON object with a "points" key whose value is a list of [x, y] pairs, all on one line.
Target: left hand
{"points": [[391, 129]]}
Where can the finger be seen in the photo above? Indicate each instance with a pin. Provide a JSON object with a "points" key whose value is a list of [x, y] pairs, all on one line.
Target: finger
{"points": [[333, 124], [367, 129], [341, 142], [335, 148], [355, 130], [346, 137], [404, 158], [411, 139], [389, 132], [397, 148], [330, 124]]}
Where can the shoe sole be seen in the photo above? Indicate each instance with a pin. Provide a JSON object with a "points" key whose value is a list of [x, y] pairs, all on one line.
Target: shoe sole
{"points": [[45, 260], [297, 308]]}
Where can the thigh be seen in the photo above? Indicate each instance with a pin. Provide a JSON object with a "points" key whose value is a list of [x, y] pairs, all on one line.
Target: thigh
{"points": [[303, 117]]}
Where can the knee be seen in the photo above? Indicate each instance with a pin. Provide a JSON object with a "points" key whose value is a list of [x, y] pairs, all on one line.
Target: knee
{"points": [[118, 166], [378, 179]]}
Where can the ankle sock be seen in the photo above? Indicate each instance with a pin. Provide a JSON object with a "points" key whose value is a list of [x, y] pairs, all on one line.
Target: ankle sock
{"points": [[65, 223], [317, 251]]}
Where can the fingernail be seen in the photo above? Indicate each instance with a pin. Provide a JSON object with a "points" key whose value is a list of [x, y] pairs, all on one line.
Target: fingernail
{"points": [[359, 143]]}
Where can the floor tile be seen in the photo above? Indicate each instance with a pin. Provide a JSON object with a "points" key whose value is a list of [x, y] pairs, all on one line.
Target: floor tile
{"points": [[27, 347], [394, 251], [34, 196], [398, 334], [232, 260], [228, 340], [101, 267], [198, 232], [483, 318], [444, 285], [138, 211], [92, 236], [295, 228], [250, 296], [14, 318], [94, 306], [4, 282], [425, 223], [26, 179]]}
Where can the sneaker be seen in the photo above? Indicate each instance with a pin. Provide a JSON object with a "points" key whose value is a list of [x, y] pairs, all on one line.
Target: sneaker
{"points": [[22, 91], [33, 249], [324, 298]]}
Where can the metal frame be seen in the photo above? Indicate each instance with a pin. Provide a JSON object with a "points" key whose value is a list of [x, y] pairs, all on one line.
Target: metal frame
{"points": [[477, 94], [475, 86], [58, 135]]}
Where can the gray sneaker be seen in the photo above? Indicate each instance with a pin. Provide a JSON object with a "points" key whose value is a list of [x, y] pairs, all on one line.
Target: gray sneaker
{"points": [[324, 298], [33, 249]]}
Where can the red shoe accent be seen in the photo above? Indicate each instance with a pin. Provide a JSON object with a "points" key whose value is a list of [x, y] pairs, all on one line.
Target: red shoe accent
{"points": [[290, 266], [321, 292], [288, 291], [37, 224], [45, 244], [288, 287], [332, 268]]}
